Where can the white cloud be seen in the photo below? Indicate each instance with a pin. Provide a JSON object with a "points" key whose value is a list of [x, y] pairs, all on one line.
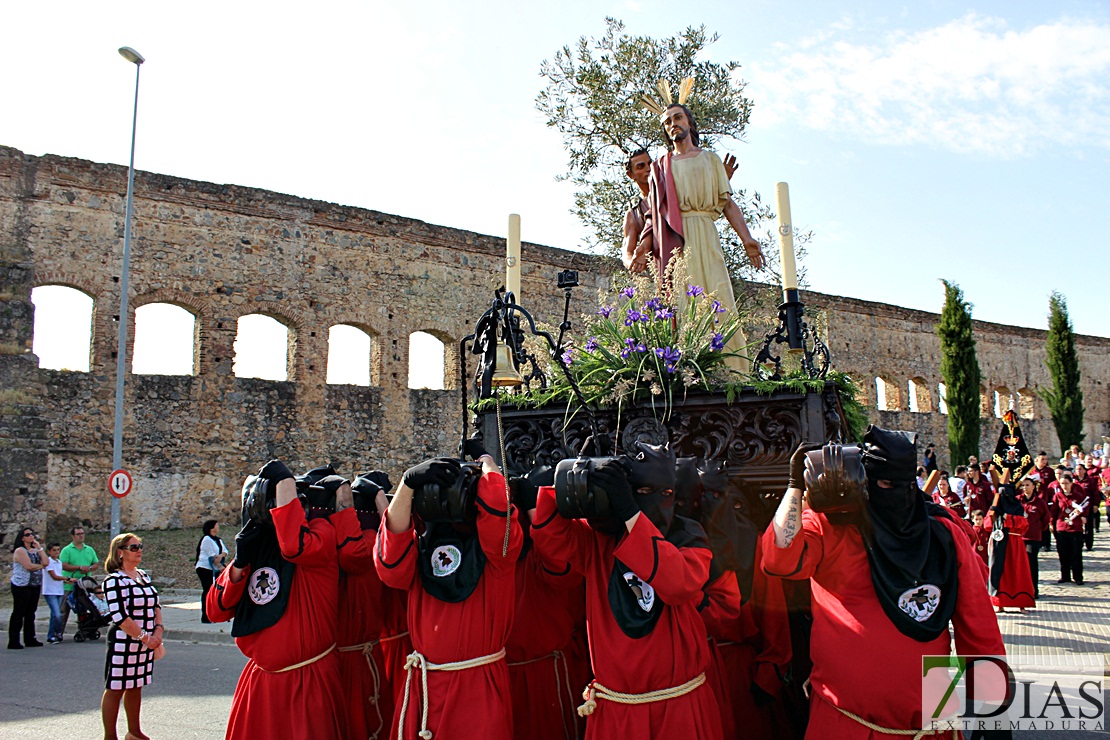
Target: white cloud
{"points": [[971, 85]]}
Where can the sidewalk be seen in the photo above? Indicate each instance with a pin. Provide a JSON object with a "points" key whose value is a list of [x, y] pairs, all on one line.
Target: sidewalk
{"points": [[180, 615]]}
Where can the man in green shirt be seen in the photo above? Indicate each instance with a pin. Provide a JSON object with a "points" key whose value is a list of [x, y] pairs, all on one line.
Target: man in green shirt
{"points": [[78, 560]]}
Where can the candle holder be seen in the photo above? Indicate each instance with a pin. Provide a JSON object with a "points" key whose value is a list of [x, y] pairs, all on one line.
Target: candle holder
{"points": [[793, 331], [502, 324]]}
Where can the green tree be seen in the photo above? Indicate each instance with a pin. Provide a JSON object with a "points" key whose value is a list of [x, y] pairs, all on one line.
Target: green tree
{"points": [[1064, 399], [959, 368], [592, 97]]}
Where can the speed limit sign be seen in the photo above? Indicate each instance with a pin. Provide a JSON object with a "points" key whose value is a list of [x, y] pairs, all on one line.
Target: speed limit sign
{"points": [[119, 483]]}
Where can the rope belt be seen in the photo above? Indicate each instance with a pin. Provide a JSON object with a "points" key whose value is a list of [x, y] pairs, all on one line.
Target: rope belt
{"points": [[595, 691], [557, 657], [302, 664], [420, 663], [916, 734], [711, 215], [367, 649]]}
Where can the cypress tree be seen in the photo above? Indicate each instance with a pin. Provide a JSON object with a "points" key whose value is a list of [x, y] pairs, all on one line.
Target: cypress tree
{"points": [[960, 369], [1064, 399]]}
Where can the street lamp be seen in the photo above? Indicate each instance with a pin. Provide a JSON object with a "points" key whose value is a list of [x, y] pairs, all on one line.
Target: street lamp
{"points": [[121, 347]]}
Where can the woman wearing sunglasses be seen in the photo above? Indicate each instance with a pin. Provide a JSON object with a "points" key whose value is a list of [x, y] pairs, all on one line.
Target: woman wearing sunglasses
{"points": [[28, 560], [135, 634]]}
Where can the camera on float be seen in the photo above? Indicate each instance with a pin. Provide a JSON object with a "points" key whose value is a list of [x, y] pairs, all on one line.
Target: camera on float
{"points": [[259, 495], [575, 496], [835, 479], [457, 503]]}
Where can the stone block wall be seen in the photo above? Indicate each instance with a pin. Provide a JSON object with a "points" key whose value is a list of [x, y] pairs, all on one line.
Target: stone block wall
{"points": [[224, 251]]}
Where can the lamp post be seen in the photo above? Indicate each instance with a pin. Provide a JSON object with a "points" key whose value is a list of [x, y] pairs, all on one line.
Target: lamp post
{"points": [[121, 347]]}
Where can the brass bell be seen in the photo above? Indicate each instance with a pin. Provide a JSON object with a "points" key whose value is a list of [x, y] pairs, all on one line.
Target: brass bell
{"points": [[505, 374]]}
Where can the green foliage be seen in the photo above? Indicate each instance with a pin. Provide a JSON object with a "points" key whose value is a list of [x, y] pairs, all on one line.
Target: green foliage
{"points": [[1064, 399], [592, 97], [959, 368], [855, 419]]}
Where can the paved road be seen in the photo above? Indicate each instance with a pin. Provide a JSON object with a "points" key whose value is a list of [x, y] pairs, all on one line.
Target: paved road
{"points": [[54, 691], [192, 688]]}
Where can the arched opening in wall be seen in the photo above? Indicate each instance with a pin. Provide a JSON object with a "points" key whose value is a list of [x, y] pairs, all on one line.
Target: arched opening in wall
{"points": [[942, 398], [887, 397], [63, 328], [427, 356], [984, 403], [920, 400], [1003, 400], [352, 356], [164, 340], [261, 348], [1025, 402]]}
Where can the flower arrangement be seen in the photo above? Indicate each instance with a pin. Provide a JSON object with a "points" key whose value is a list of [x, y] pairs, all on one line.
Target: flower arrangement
{"points": [[641, 346]]}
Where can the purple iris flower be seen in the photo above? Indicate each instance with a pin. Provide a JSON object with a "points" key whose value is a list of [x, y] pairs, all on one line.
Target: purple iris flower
{"points": [[717, 307], [670, 357], [664, 313], [641, 347], [605, 311], [633, 317], [717, 343], [654, 304], [628, 292], [629, 348], [568, 357], [694, 291], [591, 344]]}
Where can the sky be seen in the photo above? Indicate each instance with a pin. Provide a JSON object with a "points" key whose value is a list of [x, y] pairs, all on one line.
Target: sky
{"points": [[927, 140]]}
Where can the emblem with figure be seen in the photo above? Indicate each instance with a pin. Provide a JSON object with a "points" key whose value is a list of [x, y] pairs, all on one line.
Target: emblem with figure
{"points": [[645, 594], [263, 586], [446, 559], [920, 602]]}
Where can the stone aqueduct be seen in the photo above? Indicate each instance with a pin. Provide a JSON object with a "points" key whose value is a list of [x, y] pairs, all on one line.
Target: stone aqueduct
{"points": [[223, 251]]}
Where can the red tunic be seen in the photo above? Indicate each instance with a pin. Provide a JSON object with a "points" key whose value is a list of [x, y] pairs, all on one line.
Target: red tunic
{"points": [[849, 622], [1063, 508], [369, 704], [303, 702], [1036, 516], [674, 652], [719, 610], [982, 539], [473, 702], [978, 496], [546, 651], [1016, 585], [756, 649]]}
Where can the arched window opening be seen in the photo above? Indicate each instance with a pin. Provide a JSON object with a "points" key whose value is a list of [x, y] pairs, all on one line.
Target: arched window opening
{"points": [[350, 356], [920, 400], [1025, 403], [261, 348], [886, 395], [942, 398], [63, 328], [1003, 400], [426, 361], [164, 335]]}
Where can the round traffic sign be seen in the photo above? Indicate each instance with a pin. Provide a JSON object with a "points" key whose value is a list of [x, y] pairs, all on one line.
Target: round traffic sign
{"points": [[119, 483]]}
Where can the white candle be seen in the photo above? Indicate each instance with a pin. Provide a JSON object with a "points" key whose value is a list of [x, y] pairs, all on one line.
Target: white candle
{"points": [[786, 237], [512, 257]]}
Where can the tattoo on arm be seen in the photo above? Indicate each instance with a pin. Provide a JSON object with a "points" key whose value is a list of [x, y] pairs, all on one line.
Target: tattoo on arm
{"points": [[788, 518]]}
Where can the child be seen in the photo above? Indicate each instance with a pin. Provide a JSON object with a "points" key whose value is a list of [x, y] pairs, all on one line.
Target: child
{"points": [[53, 590], [982, 536]]}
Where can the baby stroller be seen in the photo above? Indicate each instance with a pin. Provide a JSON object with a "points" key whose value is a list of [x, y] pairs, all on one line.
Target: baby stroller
{"points": [[90, 614]]}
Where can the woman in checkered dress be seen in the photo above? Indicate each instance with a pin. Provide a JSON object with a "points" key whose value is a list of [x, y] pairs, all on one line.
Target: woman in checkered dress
{"points": [[135, 633]]}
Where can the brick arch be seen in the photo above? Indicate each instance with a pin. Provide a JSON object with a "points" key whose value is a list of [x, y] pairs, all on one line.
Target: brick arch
{"points": [[919, 396], [196, 305], [891, 400], [69, 280], [450, 354], [292, 319]]}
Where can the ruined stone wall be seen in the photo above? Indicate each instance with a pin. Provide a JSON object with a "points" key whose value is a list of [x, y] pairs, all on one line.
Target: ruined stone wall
{"points": [[223, 251]]}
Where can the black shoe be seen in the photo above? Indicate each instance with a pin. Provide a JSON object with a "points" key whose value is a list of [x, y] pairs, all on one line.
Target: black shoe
{"points": [[1064, 580], [1078, 581], [33, 643], [14, 646]]}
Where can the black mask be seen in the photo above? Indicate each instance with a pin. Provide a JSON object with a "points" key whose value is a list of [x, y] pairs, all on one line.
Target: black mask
{"points": [[652, 477], [687, 489]]}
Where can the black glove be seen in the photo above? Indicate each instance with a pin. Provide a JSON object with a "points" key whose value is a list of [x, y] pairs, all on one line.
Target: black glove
{"points": [[473, 448], [996, 510], [541, 475], [442, 471], [798, 466], [275, 471], [366, 484], [524, 493], [612, 477], [247, 543], [380, 477], [332, 483], [604, 443], [760, 697]]}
